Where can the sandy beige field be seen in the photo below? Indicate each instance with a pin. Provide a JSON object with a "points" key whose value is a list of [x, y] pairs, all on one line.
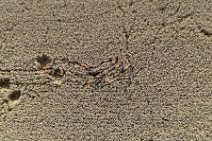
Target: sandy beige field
{"points": [[105, 70]]}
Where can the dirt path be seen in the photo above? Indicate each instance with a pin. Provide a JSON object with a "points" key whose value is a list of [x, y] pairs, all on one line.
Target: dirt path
{"points": [[105, 70]]}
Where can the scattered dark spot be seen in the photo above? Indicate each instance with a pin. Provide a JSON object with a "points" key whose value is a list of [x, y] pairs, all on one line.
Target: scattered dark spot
{"points": [[181, 18], [134, 11], [162, 9], [122, 70], [65, 5], [164, 119], [126, 33], [127, 36], [4, 82], [206, 32], [163, 24], [67, 44], [58, 72], [9, 109], [5, 100], [114, 60], [131, 3], [43, 59], [47, 30], [59, 20], [64, 59], [95, 72], [15, 95]]}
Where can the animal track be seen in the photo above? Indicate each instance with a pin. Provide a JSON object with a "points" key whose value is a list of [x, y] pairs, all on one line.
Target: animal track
{"points": [[8, 96], [57, 72], [4, 82], [14, 95], [107, 72], [43, 62]]}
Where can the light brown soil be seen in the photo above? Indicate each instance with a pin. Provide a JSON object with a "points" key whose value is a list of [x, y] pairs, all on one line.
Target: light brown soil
{"points": [[151, 60]]}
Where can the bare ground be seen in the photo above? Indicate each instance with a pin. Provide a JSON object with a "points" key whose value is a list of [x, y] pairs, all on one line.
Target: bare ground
{"points": [[105, 70]]}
